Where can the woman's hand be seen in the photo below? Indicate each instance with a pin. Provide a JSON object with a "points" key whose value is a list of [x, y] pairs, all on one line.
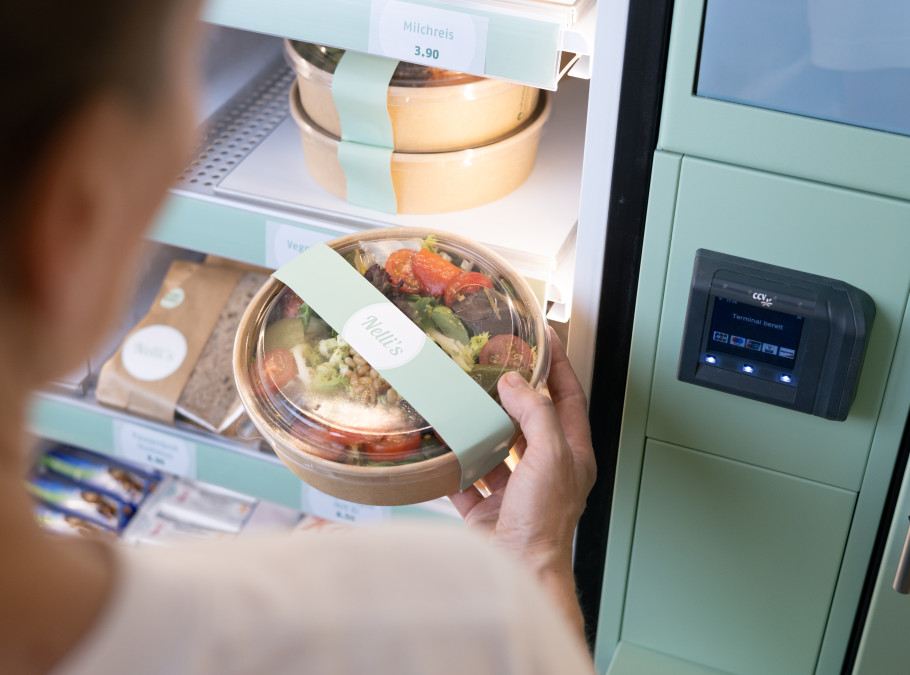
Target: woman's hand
{"points": [[533, 511]]}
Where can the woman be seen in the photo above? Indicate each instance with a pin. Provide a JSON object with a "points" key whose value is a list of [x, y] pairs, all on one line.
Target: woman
{"points": [[98, 120]]}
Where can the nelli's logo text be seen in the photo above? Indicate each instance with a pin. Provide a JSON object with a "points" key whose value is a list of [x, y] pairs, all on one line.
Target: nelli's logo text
{"points": [[383, 335], [764, 299]]}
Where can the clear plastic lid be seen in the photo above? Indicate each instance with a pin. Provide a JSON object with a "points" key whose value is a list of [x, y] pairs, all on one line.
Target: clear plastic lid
{"points": [[405, 75], [326, 401]]}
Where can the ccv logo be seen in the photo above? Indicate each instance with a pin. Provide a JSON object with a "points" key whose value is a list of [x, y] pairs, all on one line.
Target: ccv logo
{"points": [[765, 300]]}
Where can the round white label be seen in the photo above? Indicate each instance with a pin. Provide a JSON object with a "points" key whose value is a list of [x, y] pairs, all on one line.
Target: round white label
{"points": [[154, 352], [173, 298], [384, 336]]}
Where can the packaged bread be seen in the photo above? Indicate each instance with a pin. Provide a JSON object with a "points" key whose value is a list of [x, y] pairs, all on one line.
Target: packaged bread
{"points": [[177, 360]]}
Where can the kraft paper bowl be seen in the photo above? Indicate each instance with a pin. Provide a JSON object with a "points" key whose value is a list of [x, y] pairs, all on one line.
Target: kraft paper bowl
{"points": [[322, 464], [433, 182], [445, 111]]}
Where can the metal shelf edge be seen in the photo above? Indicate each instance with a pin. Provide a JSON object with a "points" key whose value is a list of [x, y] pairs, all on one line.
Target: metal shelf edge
{"points": [[84, 424]]}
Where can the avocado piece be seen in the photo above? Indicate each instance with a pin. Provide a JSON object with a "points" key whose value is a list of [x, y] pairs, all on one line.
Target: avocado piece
{"points": [[284, 334], [449, 324], [487, 376]]}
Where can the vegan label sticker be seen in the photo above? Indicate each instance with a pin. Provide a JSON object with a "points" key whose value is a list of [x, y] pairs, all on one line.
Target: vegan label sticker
{"points": [[154, 352], [285, 242], [161, 451], [431, 36]]}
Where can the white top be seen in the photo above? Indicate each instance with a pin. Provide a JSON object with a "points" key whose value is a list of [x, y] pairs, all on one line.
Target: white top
{"points": [[402, 599]]}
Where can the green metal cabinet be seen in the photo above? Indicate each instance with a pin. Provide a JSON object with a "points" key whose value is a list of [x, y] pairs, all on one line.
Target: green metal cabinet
{"points": [[848, 235], [739, 537], [732, 566], [741, 533], [884, 648]]}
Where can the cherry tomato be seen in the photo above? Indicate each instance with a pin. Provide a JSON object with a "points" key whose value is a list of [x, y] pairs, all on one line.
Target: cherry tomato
{"points": [[278, 368], [392, 448], [464, 283], [290, 304], [509, 351], [433, 272], [331, 444], [399, 267]]}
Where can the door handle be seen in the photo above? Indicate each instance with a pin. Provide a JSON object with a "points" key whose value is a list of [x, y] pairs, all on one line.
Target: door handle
{"points": [[902, 578]]}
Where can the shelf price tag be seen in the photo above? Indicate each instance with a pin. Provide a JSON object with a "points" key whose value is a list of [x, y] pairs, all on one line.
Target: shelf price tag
{"points": [[430, 36], [325, 506], [285, 242], [154, 448]]}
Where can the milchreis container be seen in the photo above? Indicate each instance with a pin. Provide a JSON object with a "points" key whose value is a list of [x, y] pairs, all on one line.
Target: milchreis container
{"points": [[431, 109], [433, 182], [331, 418]]}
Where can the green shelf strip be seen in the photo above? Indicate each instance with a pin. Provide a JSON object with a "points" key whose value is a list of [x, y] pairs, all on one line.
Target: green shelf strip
{"points": [[234, 232], [520, 48], [94, 429]]}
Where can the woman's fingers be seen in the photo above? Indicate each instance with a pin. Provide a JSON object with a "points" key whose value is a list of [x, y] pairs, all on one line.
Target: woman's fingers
{"points": [[497, 479], [566, 392], [466, 500], [534, 412]]}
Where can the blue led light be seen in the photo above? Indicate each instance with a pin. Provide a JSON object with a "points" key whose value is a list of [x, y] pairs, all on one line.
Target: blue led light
{"points": [[748, 369], [786, 379], [710, 359]]}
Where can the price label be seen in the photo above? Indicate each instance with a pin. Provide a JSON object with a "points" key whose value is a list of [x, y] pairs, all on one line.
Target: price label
{"points": [[284, 242], [328, 507], [428, 35], [154, 448]]}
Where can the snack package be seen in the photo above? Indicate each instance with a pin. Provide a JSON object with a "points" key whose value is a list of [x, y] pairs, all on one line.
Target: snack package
{"points": [[127, 483], [59, 522], [311, 523], [271, 517], [203, 505], [148, 373], [155, 528], [78, 500]]}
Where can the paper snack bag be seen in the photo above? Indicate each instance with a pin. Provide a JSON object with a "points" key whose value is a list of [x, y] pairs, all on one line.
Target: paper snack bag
{"points": [[153, 365]]}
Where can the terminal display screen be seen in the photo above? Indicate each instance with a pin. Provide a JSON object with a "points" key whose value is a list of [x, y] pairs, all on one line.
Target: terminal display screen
{"points": [[755, 333]]}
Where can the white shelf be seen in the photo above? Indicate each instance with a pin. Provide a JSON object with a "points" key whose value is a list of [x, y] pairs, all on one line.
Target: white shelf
{"points": [[250, 178], [532, 226]]}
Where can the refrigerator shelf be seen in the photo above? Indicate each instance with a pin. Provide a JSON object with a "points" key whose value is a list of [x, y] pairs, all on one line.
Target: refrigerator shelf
{"points": [[527, 41], [248, 195]]}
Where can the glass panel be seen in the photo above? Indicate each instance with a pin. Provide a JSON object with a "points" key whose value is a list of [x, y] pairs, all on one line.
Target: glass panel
{"points": [[841, 60]]}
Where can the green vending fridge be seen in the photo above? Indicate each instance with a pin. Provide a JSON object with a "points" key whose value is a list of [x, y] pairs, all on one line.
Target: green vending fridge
{"points": [[751, 404]]}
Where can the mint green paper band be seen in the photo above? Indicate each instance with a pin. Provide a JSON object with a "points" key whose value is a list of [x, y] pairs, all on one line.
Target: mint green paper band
{"points": [[360, 89], [462, 413], [368, 172]]}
